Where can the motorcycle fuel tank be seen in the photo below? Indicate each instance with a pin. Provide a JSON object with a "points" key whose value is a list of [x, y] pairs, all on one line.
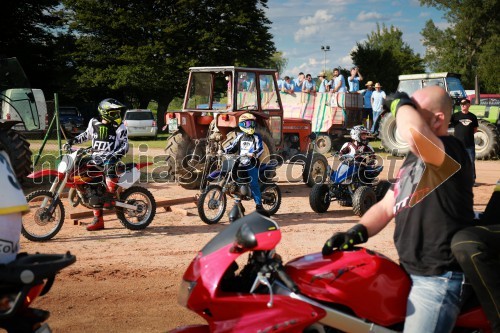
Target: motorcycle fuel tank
{"points": [[371, 285]]}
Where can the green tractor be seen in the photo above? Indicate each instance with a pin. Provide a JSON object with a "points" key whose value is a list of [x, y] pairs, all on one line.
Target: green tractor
{"points": [[487, 138], [18, 111]]}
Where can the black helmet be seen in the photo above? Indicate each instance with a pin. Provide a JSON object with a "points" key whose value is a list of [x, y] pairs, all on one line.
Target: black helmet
{"points": [[110, 110]]}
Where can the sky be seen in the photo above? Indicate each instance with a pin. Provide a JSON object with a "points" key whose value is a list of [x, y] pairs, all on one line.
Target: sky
{"points": [[300, 28]]}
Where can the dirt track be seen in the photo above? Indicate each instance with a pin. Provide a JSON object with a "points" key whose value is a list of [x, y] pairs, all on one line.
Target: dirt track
{"points": [[125, 281]]}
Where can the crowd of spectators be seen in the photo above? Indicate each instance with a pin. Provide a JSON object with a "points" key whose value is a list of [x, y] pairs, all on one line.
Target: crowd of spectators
{"points": [[373, 95]]}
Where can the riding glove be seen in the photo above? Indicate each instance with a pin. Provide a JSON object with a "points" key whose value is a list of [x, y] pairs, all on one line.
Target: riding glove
{"points": [[346, 240], [397, 100]]}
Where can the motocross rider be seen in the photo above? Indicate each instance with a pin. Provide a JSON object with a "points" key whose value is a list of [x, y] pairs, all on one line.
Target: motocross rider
{"points": [[248, 144], [11, 208], [359, 143], [110, 143]]}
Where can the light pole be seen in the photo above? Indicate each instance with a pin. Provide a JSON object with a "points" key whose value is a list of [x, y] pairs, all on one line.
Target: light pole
{"points": [[325, 49]]}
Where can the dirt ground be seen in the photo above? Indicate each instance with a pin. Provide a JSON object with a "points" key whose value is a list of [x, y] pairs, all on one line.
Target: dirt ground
{"points": [[127, 281]]}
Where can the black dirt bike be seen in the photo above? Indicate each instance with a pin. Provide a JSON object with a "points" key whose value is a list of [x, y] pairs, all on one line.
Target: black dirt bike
{"points": [[228, 179]]}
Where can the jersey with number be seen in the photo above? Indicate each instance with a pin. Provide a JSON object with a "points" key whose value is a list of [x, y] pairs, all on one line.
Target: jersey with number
{"points": [[245, 144], [13, 200], [107, 139]]}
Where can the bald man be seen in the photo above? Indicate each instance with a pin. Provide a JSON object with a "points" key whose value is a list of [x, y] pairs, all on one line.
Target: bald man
{"points": [[431, 200]]}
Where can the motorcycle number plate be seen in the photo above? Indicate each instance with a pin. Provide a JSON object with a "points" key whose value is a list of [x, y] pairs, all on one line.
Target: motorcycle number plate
{"points": [[172, 125]]}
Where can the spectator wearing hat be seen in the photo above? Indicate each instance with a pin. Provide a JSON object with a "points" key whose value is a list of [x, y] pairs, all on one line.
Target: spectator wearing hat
{"points": [[377, 100], [354, 80], [367, 104], [466, 124], [323, 83]]}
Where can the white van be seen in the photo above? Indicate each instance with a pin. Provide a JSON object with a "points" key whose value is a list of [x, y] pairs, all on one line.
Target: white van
{"points": [[30, 102]]}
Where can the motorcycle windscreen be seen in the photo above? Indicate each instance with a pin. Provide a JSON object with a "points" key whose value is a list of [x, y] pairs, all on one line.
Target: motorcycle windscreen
{"points": [[265, 230]]}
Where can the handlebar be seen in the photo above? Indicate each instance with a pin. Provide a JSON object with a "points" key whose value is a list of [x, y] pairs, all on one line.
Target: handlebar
{"points": [[278, 268]]}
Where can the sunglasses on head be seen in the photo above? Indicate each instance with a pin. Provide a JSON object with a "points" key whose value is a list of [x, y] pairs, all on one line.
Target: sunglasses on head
{"points": [[247, 123]]}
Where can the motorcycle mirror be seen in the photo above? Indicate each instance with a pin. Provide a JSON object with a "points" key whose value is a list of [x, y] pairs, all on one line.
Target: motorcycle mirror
{"points": [[245, 238]]}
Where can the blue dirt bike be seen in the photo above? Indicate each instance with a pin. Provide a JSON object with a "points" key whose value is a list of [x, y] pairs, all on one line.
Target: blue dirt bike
{"points": [[353, 183], [227, 178]]}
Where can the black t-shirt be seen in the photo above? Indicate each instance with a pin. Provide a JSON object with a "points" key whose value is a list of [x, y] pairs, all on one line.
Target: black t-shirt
{"points": [[464, 124], [427, 219]]}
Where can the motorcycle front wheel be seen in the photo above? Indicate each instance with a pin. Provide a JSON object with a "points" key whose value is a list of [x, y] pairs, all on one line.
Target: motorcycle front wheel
{"points": [[271, 198], [38, 224], [144, 213], [212, 204]]}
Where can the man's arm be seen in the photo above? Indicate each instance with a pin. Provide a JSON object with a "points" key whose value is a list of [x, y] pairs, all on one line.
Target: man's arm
{"points": [[379, 215], [360, 76], [419, 136]]}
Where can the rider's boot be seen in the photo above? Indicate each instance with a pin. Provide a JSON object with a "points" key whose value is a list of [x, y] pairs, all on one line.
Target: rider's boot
{"points": [[109, 200], [98, 222]]}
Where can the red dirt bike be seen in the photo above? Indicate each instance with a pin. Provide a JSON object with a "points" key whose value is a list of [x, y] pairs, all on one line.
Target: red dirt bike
{"points": [[21, 282], [135, 206], [349, 291]]}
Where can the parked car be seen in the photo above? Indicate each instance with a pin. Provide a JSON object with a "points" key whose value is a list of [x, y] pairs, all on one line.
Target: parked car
{"points": [[71, 120], [140, 122], [485, 99]]}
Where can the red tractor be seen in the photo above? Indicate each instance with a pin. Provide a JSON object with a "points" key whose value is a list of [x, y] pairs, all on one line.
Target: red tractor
{"points": [[215, 99]]}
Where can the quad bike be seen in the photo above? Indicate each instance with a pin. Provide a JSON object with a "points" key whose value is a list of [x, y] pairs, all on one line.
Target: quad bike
{"points": [[227, 179], [21, 282], [354, 183], [135, 206], [313, 293]]}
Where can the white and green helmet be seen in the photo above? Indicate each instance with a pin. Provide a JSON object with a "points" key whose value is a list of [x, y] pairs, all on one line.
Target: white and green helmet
{"points": [[110, 109]]}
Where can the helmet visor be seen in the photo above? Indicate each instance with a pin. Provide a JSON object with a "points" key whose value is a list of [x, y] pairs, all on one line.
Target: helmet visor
{"points": [[114, 114], [247, 124]]}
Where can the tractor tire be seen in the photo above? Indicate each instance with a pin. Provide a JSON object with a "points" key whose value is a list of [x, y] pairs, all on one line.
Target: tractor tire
{"points": [[315, 169], [269, 147], [487, 141], [319, 198], [18, 149], [363, 198], [178, 149], [390, 138]]}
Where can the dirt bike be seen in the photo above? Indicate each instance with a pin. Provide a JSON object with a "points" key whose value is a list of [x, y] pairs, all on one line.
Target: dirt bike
{"points": [[135, 206], [228, 179], [353, 183], [357, 291], [21, 282]]}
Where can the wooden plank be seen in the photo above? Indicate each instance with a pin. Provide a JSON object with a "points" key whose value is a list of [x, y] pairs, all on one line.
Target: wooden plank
{"points": [[168, 203]]}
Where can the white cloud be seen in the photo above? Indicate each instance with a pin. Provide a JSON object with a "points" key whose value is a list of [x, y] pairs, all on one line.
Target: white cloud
{"points": [[368, 16], [306, 32], [321, 16]]}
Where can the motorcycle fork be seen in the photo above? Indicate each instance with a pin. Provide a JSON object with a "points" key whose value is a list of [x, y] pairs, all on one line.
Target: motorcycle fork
{"points": [[55, 194]]}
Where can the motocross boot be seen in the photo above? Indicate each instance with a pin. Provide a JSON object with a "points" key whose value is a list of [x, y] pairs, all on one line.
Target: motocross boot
{"points": [[109, 199], [97, 222]]}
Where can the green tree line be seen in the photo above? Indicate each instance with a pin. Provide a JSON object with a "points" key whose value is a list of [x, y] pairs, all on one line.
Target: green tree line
{"points": [[140, 50]]}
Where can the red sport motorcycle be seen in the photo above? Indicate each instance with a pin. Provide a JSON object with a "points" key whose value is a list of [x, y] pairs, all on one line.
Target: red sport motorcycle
{"points": [[356, 291], [135, 206]]}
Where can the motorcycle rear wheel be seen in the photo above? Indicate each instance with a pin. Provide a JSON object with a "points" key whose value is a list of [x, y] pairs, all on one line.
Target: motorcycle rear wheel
{"points": [[271, 198], [212, 204], [146, 208], [36, 225]]}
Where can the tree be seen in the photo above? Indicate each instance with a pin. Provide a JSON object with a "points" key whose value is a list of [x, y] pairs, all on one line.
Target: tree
{"points": [[385, 56], [279, 62], [29, 32], [140, 50], [468, 46]]}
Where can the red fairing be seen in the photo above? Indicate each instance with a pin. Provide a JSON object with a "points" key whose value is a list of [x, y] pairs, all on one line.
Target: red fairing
{"points": [[349, 277], [45, 172], [192, 329]]}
